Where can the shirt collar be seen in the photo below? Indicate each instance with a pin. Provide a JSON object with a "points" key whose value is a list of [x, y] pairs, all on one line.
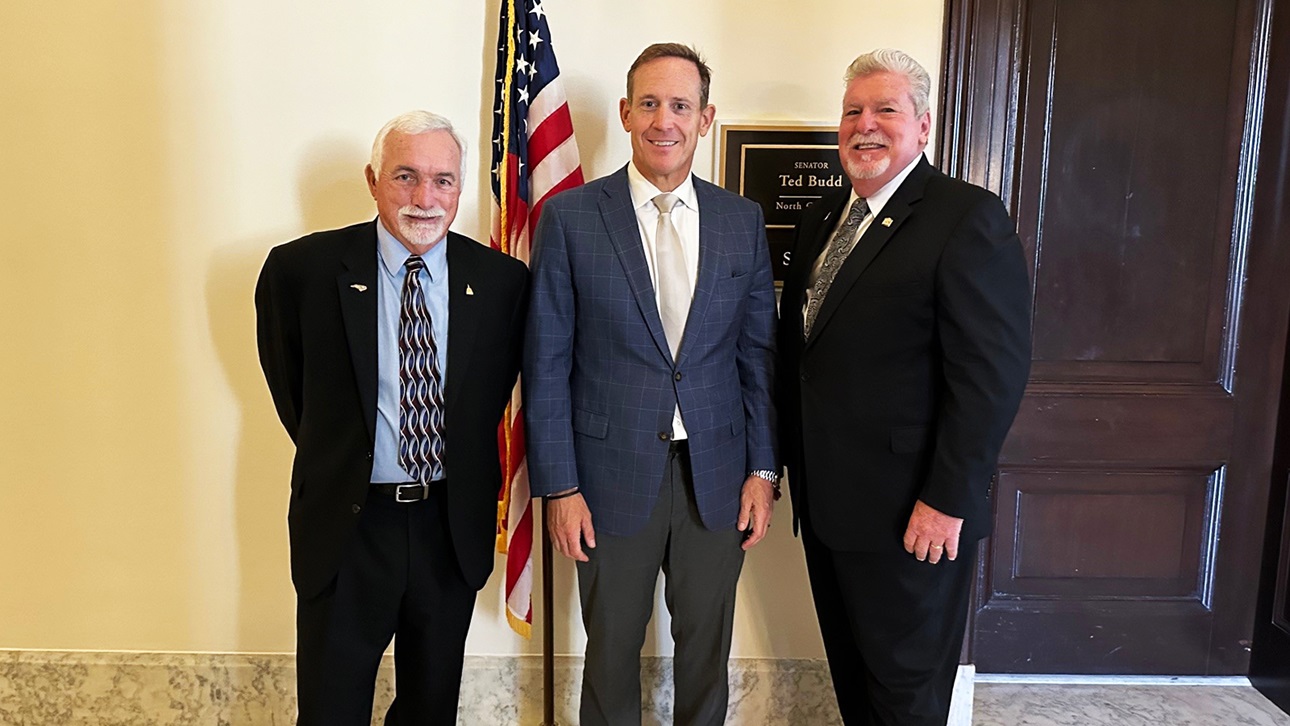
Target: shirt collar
{"points": [[879, 199], [394, 255], [643, 191]]}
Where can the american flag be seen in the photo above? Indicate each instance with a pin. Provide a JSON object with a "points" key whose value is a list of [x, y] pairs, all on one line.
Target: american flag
{"points": [[534, 157]]}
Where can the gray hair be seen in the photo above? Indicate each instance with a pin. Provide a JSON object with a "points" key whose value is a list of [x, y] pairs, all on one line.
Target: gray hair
{"points": [[413, 123], [889, 60]]}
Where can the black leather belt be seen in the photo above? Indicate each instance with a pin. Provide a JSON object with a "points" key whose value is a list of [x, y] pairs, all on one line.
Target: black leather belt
{"points": [[410, 491]]}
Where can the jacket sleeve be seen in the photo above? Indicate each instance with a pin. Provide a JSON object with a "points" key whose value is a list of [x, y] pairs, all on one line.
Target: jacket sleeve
{"points": [[548, 361], [983, 314], [277, 332], [755, 357]]}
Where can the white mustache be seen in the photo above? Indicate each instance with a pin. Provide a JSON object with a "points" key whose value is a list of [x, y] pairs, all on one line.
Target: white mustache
{"points": [[427, 214], [857, 139]]}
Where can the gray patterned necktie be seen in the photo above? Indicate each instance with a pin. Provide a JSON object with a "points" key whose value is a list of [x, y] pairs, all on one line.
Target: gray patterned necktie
{"points": [[674, 292], [420, 384], [839, 247]]}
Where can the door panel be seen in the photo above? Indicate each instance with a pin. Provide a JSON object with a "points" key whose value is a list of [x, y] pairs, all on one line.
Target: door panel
{"points": [[1124, 135]]}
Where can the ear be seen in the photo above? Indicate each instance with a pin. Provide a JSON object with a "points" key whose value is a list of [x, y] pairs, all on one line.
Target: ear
{"points": [[624, 113], [706, 118], [925, 127], [371, 180]]}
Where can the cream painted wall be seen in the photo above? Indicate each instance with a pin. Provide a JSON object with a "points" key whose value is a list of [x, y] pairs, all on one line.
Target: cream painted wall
{"points": [[153, 152]]}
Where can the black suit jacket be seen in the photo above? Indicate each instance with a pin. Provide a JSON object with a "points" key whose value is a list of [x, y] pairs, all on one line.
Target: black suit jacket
{"points": [[316, 318], [915, 366]]}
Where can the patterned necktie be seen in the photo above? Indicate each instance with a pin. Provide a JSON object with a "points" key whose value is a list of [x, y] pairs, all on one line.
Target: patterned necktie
{"points": [[839, 247], [674, 290], [420, 389]]}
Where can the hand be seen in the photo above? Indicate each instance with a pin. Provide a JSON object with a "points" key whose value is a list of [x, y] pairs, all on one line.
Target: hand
{"points": [[568, 523], [932, 533], [756, 503]]}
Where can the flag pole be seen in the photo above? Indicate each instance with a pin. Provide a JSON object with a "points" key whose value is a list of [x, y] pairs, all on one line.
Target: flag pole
{"points": [[548, 630]]}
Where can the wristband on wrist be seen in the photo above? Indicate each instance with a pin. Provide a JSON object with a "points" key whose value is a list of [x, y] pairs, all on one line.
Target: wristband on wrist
{"points": [[553, 497]]}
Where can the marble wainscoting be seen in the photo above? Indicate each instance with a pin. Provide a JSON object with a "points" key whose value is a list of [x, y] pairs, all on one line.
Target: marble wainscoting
{"points": [[45, 688]]}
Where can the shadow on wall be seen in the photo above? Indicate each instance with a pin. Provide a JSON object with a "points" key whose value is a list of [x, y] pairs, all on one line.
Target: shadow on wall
{"points": [[590, 124], [332, 193]]}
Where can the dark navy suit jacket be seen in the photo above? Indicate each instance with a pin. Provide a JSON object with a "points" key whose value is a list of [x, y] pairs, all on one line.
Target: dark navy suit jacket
{"points": [[600, 385]]}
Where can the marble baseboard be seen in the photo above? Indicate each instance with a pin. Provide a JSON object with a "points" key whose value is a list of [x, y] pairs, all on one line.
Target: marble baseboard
{"points": [[42, 688]]}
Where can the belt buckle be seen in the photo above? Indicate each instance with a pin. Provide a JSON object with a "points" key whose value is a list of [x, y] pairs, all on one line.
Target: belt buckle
{"points": [[422, 487]]}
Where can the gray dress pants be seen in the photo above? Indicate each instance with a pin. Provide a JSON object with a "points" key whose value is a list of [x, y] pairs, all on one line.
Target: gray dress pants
{"points": [[700, 569]]}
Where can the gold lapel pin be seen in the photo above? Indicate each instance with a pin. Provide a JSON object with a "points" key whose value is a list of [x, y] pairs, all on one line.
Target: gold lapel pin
{"points": [[886, 222], [469, 291], [360, 288]]}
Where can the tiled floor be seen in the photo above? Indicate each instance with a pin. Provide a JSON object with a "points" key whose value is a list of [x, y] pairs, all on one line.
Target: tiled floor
{"points": [[1025, 704]]}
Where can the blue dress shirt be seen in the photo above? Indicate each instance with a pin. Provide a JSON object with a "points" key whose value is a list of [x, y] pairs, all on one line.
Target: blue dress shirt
{"points": [[389, 286]]}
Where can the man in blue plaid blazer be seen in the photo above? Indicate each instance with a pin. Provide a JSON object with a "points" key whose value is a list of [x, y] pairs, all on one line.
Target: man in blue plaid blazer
{"points": [[651, 429]]}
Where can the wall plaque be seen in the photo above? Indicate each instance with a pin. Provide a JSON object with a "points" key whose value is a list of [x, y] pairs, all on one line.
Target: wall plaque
{"points": [[783, 167]]}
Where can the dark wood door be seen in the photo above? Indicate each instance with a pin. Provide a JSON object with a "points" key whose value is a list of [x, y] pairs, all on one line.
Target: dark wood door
{"points": [[1126, 137], [1270, 656]]}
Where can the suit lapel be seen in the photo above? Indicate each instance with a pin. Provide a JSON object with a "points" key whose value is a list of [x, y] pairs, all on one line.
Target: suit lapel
{"points": [[624, 235], [463, 317], [875, 238], [804, 259], [710, 246], [356, 286]]}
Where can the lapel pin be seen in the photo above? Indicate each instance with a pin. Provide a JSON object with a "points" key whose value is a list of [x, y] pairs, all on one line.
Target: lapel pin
{"points": [[886, 222], [469, 291], [360, 288]]}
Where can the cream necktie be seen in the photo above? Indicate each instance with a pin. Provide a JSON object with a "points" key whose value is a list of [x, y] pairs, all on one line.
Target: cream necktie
{"points": [[674, 292]]}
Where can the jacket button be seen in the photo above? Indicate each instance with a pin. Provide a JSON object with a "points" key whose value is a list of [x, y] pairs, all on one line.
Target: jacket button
{"points": [[677, 376], [806, 376], [357, 508], [664, 436]]}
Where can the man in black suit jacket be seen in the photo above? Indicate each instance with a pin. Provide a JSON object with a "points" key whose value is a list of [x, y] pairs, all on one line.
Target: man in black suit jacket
{"points": [[391, 348], [905, 347]]}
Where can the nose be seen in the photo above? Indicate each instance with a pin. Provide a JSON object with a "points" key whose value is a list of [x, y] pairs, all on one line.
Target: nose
{"points": [[423, 195], [664, 119], [867, 121]]}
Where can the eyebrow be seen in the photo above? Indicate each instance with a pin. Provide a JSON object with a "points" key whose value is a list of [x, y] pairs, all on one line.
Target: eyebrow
{"points": [[877, 103], [654, 97], [439, 175]]}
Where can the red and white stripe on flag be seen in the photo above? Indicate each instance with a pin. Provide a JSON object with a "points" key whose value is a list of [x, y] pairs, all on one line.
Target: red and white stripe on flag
{"points": [[534, 157]]}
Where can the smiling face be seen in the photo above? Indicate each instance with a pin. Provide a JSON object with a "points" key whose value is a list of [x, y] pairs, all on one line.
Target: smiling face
{"points": [[880, 132], [417, 187], [665, 120]]}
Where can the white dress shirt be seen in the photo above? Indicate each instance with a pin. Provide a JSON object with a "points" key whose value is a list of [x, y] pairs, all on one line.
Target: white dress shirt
{"points": [[876, 202], [685, 218]]}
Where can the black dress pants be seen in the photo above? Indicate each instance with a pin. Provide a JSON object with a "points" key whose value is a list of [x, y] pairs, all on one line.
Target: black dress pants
{"points": [[893, 630], [398, 579]]}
